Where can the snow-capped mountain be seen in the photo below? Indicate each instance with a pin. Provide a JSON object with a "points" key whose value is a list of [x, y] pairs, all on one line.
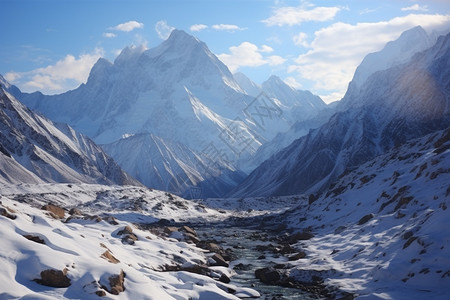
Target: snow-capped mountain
{"points": [[300, 109], [395, 105], [178, 92], [394, 53], [35, 150]]}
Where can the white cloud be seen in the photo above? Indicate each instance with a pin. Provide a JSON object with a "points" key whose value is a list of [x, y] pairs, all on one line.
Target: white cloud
{"points": [[65, 74], [300, 40], [292, 82], [249, 55], [338, 49], [128, 26], [266, 49], [227, 27], [163, 30], [290, 15], [198, 27], [415, 7], [109, 35]]}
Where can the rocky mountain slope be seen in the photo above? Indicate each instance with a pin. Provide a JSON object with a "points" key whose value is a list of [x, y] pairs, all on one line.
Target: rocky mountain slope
{"points": [[393, 106], [35, 150], [381, 231], [178, 91]]}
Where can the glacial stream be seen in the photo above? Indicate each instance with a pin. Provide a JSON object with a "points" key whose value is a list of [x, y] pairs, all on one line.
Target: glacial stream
{"points": [[248, 247]]}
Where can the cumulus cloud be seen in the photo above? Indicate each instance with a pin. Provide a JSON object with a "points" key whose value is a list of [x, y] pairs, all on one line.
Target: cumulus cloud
{"points": [[227, 27], [290, 15], [109, 35], [415, 7], [65, 74], [163, 29], [198, 27], [249, 55], [300, 40], [337, 50], [128, 26]]}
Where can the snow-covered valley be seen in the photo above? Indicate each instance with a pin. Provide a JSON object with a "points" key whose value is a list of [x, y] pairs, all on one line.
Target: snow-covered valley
{"points": [[343, 201]]}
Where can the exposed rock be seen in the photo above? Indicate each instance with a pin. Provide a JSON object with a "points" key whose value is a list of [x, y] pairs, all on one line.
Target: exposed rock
{"points": [[297, 256], [75, 211], [365, 219], [268, 275], [127, 235], [219, 260], [54, 278], [192, 238], [117, 283], [170, 229], [5, 213], [111, 220], [109, 257], [56, 212], [300, 236], [126, 230], [286, 249], [34, 238], [100, 293], [188, 230], [340, 229], [224, 278]]}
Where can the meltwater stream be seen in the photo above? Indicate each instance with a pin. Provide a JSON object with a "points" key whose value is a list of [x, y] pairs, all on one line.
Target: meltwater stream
{"points": [[248, 246]]}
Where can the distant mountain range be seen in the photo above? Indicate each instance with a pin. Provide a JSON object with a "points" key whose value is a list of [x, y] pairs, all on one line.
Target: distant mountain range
{"points": [[380, 111], [177, 94]]}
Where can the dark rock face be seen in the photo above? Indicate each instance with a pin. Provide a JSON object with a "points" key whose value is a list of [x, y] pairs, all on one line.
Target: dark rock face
{"points": [[365, 219], [46, 148], [54, 278], [34, 238], [268, 275]]}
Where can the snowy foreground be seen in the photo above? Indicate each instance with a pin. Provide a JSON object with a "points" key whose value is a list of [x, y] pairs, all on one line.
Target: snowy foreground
{"points": [[382, 231], [91, 249]]}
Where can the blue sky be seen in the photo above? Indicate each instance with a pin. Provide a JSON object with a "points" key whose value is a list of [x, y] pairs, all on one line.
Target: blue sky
{"points": [[51, 45]]}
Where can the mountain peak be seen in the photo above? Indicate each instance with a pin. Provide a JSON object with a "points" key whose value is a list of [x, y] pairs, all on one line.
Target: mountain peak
{"points": [[180, 37]]}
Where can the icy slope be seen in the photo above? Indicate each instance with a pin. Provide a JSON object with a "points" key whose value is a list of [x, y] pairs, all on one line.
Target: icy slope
{"points": [[394, 105], [91, 255], [381, 231], [35, 150]]}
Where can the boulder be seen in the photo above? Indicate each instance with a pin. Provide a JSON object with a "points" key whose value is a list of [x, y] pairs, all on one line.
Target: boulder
{"points": [[126, 230], [365, 219], [188, 230], [268, 275], [224, 278], [34, 238], [297, 256], [219, 260], [109, 257], [56, 211], [117, 283], [5, 213], [54, 278]]}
